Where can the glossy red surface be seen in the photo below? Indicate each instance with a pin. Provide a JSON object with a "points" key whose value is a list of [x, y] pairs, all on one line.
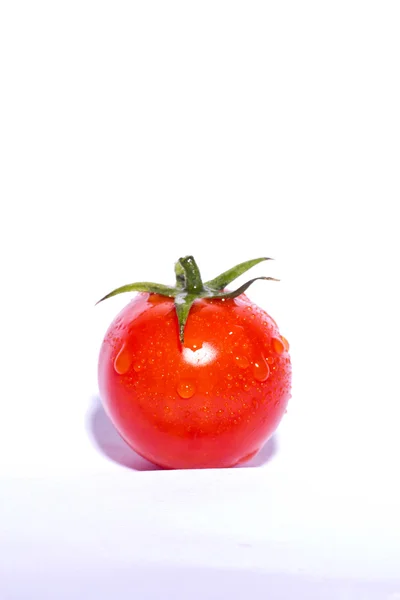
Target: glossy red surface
{"points": [[211, 403]]}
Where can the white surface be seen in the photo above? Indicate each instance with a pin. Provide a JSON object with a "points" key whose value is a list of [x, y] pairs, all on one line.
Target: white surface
{"points": [[132, 134]]}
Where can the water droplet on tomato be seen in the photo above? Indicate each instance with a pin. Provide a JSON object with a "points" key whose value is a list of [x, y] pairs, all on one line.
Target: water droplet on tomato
{"points": [[278, 346], [123, 361], [285, 343], [255, 403], [137, 367], [186, 389], [229, 376], [261, 370], [270, 360], [242, 362]]}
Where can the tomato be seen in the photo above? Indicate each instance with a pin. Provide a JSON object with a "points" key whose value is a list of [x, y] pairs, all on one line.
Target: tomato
{"points": [[211, 401]]}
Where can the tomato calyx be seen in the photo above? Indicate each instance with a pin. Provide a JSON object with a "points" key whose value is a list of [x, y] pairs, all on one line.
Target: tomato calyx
{"points": [[190, 287]]}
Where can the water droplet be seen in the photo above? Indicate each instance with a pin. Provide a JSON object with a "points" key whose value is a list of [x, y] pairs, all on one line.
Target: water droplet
{"points": [[270, 360], [278, 346], [123, 361], [186, 389], [220, 411], [261, 370], [246, 386], [242, 362], [229, 376], [285, 343], [255, 403], [159, 353], [137, 367]]}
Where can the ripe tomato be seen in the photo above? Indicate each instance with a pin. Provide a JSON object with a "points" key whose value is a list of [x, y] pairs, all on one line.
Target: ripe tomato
{"points": [[211, 401]]}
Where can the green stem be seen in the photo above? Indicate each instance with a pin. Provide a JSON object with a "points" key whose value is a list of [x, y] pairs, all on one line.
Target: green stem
{"points": [[189, 287], [193, 282]]}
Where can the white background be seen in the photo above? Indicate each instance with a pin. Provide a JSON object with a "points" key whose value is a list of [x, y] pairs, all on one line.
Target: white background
{"points": [[132, 133]]}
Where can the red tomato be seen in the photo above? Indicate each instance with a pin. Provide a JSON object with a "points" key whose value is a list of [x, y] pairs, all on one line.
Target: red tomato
{"points": [[211, 402]]}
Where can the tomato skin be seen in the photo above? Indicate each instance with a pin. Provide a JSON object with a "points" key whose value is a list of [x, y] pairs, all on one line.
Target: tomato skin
{"points": [[211, 403]]}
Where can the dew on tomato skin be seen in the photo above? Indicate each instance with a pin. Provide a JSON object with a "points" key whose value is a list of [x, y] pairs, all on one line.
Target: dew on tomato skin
{"points": [[270, 360], [123, 361], [278, 346], [261, 370], [255, 404], [285, 343], [138, 366], [186, 389], [242, 362]]}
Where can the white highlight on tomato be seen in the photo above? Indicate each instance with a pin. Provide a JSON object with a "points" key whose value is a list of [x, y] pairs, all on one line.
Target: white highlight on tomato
{"points": [[202, 356]]}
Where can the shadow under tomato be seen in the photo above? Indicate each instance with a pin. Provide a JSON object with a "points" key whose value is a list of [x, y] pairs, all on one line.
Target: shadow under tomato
{"points": [[107, 440], [262, 457]]}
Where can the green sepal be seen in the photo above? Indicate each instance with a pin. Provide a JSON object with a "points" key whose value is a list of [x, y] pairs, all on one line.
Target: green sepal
{"points": [[241, 289], [144, 286], [220, 282]]}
